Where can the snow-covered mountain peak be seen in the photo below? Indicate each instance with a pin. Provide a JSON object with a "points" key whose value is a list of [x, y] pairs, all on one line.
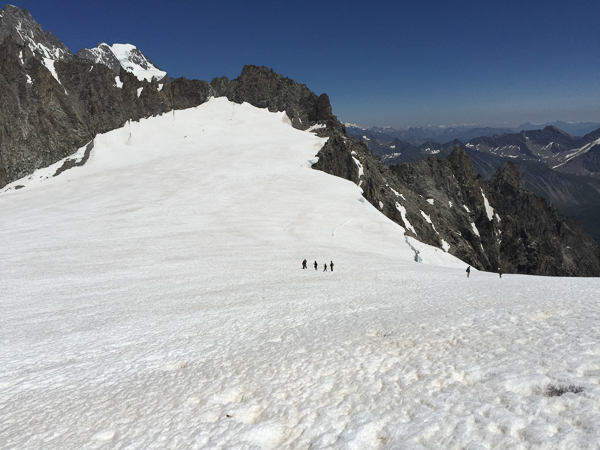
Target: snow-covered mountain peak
{"points": [[123, 55], [353, 125], [134, 61], [101, 54]]}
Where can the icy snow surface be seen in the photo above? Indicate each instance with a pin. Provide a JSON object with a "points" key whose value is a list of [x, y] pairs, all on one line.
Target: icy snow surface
{"points": [[154, 298]]}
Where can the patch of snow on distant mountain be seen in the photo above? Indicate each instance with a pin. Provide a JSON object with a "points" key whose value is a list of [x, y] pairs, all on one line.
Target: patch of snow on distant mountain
{"points": [[577, 152], [361, 171], [397, 193], [402, 210], [488, 209], [353, 125], [317, 126], [428, 220], [49, 63]]}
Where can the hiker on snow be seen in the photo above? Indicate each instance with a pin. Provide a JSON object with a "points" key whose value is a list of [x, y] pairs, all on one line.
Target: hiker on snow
{"points": [[325, 267], [468, 271], [500, 272], [331, 266], [304, 264], [316, 265]]}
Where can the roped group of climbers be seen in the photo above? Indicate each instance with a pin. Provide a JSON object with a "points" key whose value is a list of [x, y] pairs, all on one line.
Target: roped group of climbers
{"points": [[316, 265]]}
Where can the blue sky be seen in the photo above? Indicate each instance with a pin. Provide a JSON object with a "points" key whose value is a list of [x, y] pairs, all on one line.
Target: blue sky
{"points": [[381, 63]]}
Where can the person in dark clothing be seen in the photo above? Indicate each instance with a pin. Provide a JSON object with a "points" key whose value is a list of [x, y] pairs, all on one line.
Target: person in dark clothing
{"points": [[304, 264], [331, 265], [316, 265], [325, 267], [500, 272], [468, 271]]}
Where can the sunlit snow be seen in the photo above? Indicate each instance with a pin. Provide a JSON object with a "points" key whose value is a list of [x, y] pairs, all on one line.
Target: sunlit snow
{"points": [[402, 211], [143, 69], [49, 64], [488, 209], [428, 220], [154, 298]]}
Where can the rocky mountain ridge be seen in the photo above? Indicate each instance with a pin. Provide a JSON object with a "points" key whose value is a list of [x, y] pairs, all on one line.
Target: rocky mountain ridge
{"points": [[47, 113], [551, 146], [552, 164]]}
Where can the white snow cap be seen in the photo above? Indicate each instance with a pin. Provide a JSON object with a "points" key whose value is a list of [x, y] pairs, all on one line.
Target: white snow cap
{"points": [[135, 62]]}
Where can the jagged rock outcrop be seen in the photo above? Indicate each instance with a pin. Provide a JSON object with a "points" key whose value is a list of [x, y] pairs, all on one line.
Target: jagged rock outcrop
{"points": [[500, 223], [263, 88], [534, 237]]}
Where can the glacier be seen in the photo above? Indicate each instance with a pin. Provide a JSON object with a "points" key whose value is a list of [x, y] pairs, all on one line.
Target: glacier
{"points": [[154, 298]]}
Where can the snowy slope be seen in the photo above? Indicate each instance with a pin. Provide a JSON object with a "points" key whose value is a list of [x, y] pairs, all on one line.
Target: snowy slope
{"points": [[154, 298]]}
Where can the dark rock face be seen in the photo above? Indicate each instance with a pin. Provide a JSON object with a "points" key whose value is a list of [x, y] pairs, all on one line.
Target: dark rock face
{"points": [[535, 237], [263, 88]]}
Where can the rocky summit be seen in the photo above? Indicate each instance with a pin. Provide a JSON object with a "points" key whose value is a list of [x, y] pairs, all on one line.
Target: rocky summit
{"points": [[53, 103]]}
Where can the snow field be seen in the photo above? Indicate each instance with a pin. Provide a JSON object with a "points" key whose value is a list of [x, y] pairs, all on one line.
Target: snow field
{"points": [[154, 298]]}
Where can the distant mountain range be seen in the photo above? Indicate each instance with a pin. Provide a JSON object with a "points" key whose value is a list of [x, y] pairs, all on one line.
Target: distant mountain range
{"points": [[420, 135]]}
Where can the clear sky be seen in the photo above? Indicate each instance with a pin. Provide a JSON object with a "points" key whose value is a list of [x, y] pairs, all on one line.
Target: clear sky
{"points": [[395, 63]]}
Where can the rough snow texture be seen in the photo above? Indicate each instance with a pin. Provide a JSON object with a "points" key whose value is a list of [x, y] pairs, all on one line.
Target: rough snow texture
{"points": [[154, 298]]}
